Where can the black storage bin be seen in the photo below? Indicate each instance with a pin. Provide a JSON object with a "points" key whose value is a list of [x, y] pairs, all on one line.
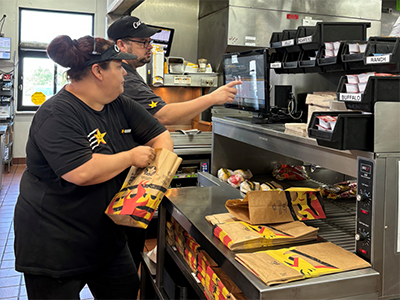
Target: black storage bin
{"points": [[276, 40], [305, 38], [289, 40], [353, 131], [330, 64], [309, 65], [334, 31], [355, 61], [378, 88], [387, 46], [291, 62], [276, 61]]}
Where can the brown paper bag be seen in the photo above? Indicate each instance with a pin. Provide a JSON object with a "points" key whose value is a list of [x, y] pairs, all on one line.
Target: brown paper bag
{"points": [[243, 236], [141, 193], [270, 207], [295, 263]]}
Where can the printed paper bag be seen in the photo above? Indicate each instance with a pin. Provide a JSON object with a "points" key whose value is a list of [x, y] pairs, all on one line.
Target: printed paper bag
{"points": [[270, 207], [141, 193], [295, 263], [243, 236]]}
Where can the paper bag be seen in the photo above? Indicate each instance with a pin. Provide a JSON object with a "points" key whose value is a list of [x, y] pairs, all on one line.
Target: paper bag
{"points": [[141, 193], [271, 207], [243, 236], [295, 263]]}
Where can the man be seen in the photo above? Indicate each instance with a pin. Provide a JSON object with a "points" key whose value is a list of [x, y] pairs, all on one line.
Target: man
{"points": [[133, 36]]}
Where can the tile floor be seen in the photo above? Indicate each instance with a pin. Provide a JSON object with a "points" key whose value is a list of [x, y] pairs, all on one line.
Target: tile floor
{"points": [[12, 285]]}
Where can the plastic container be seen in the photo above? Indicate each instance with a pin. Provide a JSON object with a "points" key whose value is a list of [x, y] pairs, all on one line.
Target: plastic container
{"points": [[308, 61], [333, 32], [333, 63], [291, 62], [276, 62], [383, 54], [354, 61], [276, 40], [378, 88], [305, 38], [353, 131]]}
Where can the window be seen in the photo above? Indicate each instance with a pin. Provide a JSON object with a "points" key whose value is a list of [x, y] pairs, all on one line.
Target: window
{"points": [[36, 72]]}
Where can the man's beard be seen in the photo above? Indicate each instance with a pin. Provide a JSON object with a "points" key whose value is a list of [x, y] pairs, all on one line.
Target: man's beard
{"points": [[145, 60]]}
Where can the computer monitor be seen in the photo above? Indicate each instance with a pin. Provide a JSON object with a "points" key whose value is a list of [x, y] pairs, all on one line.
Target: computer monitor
{"points": [[163, 38], [251, 67], [5, 48]]}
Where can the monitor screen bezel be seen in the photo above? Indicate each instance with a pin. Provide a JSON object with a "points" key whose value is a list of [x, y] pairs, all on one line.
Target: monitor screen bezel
{"points": [[267, 107], [9, 39], [169, 43]]}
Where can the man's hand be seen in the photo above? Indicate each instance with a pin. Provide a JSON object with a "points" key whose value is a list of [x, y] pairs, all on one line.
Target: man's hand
{"points": [[142, 156], [225, 93]]}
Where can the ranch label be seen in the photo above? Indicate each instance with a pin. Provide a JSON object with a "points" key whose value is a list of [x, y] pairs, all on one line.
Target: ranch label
{"points": [[378, 59]]}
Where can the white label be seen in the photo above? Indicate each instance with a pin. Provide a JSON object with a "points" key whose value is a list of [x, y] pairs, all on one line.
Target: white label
{"points": [[253, 38], [350, 97], [378, 59], [276, 65], [310, 22], [288, 43], [182, 79], [234, 59], [306, 39], [249, 44]]}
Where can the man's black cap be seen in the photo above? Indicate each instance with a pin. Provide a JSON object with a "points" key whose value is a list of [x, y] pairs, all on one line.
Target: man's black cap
{"points": [[129, 26]]}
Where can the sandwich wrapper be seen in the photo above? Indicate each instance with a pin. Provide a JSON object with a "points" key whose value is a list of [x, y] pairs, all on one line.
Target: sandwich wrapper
{"points": [[301, 262], [275, 206], [142, 191]]}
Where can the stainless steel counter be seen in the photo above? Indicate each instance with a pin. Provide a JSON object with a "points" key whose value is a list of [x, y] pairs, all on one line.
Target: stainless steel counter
{"points": [[189, 206]]}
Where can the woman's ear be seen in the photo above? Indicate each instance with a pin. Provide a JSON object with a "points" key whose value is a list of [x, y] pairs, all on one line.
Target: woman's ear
{"points": [[97, 71]]}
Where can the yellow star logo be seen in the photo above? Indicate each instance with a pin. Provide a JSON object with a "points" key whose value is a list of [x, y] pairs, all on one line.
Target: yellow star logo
{"points": [[100, 137], [153, 104]]}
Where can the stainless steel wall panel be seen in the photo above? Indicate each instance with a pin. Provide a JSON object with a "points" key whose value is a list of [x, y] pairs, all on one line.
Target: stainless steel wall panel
{"points": [[182, 15], [387, 127], [210, 6], [359, 9]]}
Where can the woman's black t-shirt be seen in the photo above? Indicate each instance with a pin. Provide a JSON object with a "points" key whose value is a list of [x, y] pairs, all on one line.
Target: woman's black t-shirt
{"points": [[61, 228]]}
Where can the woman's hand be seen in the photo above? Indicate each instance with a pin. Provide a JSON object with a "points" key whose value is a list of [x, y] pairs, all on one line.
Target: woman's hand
{"points": [[142, 156]]}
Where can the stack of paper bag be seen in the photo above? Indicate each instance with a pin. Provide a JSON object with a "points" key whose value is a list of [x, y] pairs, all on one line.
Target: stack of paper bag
{"points": [[219, 286], [271, 207], [295, 263], [240, 235]]}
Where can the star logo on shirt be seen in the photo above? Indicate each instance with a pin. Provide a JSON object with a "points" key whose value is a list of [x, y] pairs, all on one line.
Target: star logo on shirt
{"points": [[153, 104], [100, 137]]}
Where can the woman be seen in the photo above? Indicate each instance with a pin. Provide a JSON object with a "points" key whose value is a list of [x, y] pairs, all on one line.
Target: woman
{"points": [[81, 143]]}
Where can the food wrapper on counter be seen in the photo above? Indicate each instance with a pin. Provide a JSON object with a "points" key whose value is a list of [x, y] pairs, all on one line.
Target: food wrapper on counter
{"points": [[247, 186], [224, 174], [341, 190], [301, 262], [141, 193], [270, 186], [288, 172], [240, 235], [271, 207], [235, 180], [245, 173]]}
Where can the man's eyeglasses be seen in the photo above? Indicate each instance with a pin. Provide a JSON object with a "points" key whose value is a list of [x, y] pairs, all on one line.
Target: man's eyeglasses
{"points": [[145, 44]]}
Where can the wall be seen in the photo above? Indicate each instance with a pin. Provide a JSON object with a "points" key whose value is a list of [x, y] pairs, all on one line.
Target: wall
{"points": [[10, 29], [182, 15]]}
